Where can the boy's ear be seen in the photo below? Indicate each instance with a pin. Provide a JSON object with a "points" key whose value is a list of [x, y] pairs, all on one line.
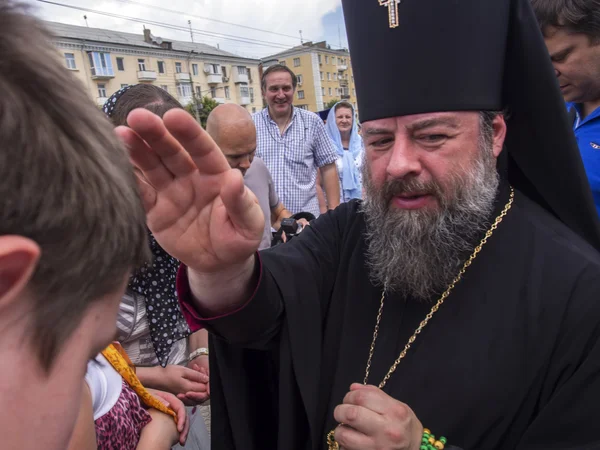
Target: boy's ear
{"points": [[18, 259]]}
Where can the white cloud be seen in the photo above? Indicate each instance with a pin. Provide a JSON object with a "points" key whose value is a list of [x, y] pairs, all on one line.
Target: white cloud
{"points": [[278, 16]]}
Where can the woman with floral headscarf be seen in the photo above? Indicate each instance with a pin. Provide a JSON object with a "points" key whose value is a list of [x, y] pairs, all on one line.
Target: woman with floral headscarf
{"points": [[343, 130]]}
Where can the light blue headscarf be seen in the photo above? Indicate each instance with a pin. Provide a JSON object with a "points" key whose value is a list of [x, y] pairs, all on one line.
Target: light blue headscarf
{"points": [[351, 178]]}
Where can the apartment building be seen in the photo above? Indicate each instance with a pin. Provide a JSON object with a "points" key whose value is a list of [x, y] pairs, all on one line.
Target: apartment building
{"points": [[324, 74], [105, 60]]}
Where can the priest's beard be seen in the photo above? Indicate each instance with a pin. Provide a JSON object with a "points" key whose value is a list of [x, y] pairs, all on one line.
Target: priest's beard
{"points": [[419, 252]]}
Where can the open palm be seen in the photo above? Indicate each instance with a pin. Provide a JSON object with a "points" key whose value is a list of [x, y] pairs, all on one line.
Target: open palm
{"points": [[197, 207]]}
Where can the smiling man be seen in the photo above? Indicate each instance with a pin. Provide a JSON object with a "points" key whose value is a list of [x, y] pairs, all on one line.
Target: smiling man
{"points": [[460, 299], [294, 145], [571, 30]]}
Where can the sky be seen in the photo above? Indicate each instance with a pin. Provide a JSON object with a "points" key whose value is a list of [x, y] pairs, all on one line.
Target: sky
{"points": [[276, 23]]}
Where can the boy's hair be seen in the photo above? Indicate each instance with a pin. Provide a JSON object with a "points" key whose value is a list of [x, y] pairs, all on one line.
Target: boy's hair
{"points": [[65, 183], [575, 16], [146, 96]]}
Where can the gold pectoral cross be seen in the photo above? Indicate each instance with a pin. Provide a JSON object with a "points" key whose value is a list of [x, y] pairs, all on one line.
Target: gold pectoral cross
{"points": [[392, 6]]}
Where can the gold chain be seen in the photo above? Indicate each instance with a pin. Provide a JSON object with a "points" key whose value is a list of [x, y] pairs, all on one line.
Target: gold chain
{"points": [[333, 445]]}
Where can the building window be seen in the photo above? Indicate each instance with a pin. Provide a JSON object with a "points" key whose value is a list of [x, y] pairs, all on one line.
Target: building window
{"points": [[164, 87], [184, 90], [322, 77], [301, 95], [124, 85], [195, 69], [337, 92], [244, 91], [101, 64], [142, 65], [282, 63], [70, 60], [224, 71], [249, 73], [227, 95], [161, 67], [178, 67], [330, 92], [296, 62], [251, 91], [242, 70], [300, 79], [328, 76], [215, 69], [120, 65], [253, 110], [213, 92], [319, 56], [354, 92], [326, 59], [198, 91], [101, 90], [323, 91]]}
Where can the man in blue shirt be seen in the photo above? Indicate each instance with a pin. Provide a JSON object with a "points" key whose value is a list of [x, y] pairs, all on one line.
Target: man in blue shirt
{"points": [[571, 30]]}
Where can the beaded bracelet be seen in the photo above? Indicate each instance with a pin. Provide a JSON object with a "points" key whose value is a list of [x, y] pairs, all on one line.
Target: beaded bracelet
{"points": [[429, 442]]}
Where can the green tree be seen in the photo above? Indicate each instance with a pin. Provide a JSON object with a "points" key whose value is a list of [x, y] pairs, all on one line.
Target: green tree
{"points": [[331, 103], [204, 108]]}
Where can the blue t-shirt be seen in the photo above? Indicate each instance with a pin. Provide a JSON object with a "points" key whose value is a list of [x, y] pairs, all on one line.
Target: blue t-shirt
{"points": [[587, 132]]}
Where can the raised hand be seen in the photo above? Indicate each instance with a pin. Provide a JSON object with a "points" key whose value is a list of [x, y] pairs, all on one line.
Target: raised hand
{"points": [[197, 207]]}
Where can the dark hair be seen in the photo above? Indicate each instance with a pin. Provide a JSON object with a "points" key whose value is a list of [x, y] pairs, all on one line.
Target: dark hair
{"points": [[343, 105], [277, 68], [146, 96], [575, 16], [67, 184]]}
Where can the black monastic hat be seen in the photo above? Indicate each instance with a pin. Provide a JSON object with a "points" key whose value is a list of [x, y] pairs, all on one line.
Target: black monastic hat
{"points": [[419, 56]]}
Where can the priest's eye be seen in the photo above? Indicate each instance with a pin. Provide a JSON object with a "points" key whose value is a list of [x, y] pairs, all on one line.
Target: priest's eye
{"points": [[433, 138], [382, 142]]}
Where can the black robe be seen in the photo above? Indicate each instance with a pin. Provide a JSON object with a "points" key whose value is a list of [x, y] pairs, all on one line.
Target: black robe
{"points": [[510, 361]]}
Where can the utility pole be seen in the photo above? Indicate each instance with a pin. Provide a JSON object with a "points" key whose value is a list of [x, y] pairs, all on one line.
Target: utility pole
{"points": [[339, 36], [194, 98], [301, 40], [86, 22], [191, 32]]}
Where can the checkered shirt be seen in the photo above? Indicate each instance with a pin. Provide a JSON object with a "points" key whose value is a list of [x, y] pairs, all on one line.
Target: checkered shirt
{"points": [[293, 158]]}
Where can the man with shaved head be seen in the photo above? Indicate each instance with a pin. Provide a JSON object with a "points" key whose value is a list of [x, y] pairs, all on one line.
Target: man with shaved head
{"points": [[232, 128]]}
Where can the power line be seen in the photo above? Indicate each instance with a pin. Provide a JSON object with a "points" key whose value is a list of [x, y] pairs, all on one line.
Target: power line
{"points": [[133, 2], [173, 27]]}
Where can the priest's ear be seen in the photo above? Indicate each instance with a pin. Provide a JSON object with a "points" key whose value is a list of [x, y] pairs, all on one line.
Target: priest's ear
{"points": [[18, 259], [499, 133]]}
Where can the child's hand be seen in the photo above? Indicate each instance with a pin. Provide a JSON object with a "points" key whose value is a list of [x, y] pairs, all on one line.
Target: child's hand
{"points": [[183, 422]]}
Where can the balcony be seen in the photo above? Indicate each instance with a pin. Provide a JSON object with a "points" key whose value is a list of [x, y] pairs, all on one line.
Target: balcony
{"points": [[185, 100], [214, 78], [345, 96], [100, 101], [183, 77], [343, 83], [342, 67], [239, 77], [219, 100], [146, 75], [102, 74], [245, 101]]}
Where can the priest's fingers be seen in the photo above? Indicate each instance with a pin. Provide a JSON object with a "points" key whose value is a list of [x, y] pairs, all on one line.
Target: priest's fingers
{"points": [[369, 397], [145, 159], [152, 129], [350, 439], [359, 418], [242, 207], [204, 152]]}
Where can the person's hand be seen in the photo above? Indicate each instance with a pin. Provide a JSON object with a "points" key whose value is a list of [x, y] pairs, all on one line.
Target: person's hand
{"points": [[303, 223], [183, 421], [198, 208], [200, 364], [190, 386], [374, 420]]}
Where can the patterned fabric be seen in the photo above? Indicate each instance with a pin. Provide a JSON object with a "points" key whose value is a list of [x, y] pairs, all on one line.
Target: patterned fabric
{"points": [[109, 105], [134, 334], [293, 158], [156, 282], [117, 358], [121, 427]]}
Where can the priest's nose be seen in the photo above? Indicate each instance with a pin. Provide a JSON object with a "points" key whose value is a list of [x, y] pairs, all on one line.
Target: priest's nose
{"points": [[404, 160], [557, 72]]}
